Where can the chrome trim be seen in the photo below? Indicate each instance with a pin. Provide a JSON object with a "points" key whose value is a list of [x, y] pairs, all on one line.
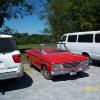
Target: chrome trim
{"points": [[71, 64], [63, 72]]}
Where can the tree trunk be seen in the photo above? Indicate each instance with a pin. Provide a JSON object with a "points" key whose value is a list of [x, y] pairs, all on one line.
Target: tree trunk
{"points": [[1, 20]]}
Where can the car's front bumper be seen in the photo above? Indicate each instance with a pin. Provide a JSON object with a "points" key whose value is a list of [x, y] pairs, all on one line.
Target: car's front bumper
{"points": [[11, 73], [68, 71]]}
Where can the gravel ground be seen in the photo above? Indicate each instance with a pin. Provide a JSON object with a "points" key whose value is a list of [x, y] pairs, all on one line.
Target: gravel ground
{"points": [[84, 86]]}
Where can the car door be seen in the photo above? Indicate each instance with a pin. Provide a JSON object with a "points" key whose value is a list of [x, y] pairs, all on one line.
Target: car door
{"points": [[72, 43], [35, 58], [85, 44]]}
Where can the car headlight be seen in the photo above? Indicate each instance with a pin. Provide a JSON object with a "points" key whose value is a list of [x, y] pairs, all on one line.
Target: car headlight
{"points": [[57, 66], [86, 62]]}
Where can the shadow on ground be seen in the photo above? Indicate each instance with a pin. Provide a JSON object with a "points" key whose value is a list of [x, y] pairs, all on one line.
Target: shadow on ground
{"points": [[96, 63], [68, 77], [10, 85]]}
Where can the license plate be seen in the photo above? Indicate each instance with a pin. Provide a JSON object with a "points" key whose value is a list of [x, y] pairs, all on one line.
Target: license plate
{"points": [[72, 73], [80, 69]]}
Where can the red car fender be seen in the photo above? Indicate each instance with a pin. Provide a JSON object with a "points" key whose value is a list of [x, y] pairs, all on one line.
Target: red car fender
{"points": [[47, 64]]}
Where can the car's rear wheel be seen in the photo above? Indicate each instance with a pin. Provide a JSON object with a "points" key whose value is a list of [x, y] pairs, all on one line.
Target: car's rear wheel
{"points": [[46, 73], [90, 60]]}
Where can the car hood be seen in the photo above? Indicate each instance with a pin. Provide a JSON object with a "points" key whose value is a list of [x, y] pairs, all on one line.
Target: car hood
{"points": [[61, 57]]}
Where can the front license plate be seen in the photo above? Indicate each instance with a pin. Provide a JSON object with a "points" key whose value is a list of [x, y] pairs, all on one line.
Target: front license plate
{"points": [[72, 73]]}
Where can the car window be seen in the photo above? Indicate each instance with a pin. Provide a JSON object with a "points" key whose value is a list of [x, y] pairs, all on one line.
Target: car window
{"points": [[7, 45], [72, 38], [63, 38], [97, 38], [85, 38]]}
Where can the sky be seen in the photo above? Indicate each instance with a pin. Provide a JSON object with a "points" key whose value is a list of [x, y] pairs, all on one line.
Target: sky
{"points": [[29, 24]]}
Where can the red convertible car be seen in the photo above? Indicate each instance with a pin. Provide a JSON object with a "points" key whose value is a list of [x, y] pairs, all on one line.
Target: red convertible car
{"points": [[52, 61]]}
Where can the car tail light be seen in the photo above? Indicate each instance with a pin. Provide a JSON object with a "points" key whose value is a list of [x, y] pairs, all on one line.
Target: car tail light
{"points": [[16, 58]]}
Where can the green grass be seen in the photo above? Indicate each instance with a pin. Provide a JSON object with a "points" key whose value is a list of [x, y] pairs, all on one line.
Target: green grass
{"points": [[28, 46], [23, 58]]}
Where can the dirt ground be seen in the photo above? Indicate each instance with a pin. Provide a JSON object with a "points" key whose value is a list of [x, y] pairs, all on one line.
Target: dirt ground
{"points": [[33, 86]]}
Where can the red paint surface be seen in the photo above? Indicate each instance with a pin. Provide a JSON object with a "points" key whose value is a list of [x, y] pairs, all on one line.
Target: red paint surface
{"points": [[52, 57]]}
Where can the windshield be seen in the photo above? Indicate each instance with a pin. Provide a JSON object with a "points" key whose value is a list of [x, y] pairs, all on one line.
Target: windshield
{"points": [[51, 48], [7, 45]]}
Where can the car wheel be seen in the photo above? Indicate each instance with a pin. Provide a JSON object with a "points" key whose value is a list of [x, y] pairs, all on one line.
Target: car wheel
{"points": [[46, 73], [90, 60]]}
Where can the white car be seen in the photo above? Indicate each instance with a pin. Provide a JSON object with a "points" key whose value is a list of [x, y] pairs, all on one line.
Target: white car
{"points": [[10, 59], [85, 43]]}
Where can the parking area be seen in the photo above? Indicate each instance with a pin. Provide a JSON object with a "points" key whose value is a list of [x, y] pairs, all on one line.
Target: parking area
{"points": [[83, 86]]}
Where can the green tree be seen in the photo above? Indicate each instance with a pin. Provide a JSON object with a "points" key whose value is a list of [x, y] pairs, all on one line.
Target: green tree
{"points": [[56, 17], [71, 15], [14, 9]]}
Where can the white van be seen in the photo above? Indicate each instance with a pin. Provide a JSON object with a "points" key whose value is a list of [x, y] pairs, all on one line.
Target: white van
{"points": [[85, 43], [10, 63]]}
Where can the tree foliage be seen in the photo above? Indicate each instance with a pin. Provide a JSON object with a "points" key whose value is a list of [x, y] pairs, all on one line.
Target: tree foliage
{"points": [[14, 9], [25, 38], [72, 15]]}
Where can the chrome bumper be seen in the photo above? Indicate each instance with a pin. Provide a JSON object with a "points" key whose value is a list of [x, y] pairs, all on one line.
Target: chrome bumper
{"points": [[63, 72]]}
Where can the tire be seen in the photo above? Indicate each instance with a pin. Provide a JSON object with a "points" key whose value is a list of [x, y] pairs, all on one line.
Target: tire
{"points": [[90, 61], [46, 73]]}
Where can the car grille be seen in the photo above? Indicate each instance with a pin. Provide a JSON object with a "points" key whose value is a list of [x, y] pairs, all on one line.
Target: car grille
{"points": [[72, 64]]}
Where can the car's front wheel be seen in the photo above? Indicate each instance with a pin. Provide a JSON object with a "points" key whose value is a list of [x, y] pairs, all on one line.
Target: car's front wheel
{"points": [[46, 73]]}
